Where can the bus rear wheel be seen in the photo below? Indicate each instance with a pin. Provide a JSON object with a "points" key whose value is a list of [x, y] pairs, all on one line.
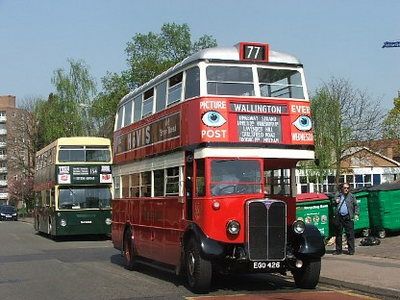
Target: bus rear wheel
{"points": [[199, 270], [307, 276], [129, 251]]}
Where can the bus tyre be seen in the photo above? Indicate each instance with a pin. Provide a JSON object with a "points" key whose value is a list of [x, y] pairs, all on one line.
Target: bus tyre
{"points": [[307, 276], [129, 252], [199, 270]]}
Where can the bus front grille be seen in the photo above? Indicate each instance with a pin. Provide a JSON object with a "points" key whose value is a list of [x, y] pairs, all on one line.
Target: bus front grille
{"points": [[266, 230]]}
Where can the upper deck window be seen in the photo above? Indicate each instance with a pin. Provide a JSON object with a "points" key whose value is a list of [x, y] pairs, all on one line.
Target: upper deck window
{"points": [[137, 108], [230, 80], [161, 95], [280, 83], [128, 113], [119, 117], [148, 102], [84, 154], [192, 87], [97, 154], [175, 88]]}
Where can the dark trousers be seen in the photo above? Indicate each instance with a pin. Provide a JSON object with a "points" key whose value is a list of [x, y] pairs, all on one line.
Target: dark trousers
{"points": [[348, 225]]}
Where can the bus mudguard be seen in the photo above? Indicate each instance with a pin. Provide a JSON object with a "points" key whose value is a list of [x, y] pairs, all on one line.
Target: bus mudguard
{"points": [[310, 243], [209, 248]]}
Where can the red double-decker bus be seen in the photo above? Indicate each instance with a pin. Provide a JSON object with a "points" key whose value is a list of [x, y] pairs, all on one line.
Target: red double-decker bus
{"points": [[204, 168]]}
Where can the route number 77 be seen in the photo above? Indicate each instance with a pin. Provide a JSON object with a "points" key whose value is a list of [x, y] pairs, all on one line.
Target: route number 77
{"points": [[253, 52]]}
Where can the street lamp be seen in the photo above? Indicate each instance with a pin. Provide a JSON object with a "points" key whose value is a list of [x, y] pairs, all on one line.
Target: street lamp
{"points": [[85, 107]]}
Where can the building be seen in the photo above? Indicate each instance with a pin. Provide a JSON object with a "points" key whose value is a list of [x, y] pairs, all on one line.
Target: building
{"points": [[13, 155], [387, 147], [361, 167]]}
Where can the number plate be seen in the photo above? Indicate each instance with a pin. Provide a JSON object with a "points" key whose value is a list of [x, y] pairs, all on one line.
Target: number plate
{"points": [[266, 265]]}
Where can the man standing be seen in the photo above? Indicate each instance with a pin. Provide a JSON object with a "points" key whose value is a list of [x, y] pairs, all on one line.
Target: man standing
{"points": [[346, 211]]}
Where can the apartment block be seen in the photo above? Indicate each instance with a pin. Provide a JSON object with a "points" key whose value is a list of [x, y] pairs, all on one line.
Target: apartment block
{"points": [[12, 153]]}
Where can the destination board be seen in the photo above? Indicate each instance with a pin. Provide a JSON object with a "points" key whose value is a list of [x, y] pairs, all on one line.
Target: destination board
{"points": [[91, 174], [259, 128]]}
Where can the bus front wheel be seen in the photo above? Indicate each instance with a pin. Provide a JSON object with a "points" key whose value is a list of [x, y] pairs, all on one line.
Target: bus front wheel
{"points": [[199, 270], [129, 251], [307, 276]]}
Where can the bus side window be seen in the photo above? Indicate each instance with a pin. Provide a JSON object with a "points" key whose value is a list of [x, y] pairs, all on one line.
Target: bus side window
{"points": [[200, 178], [277, 182], [137, 113], [146, 184], [159, 182], [192, 86], [172, 181], [119, 118], [125, 185], [161, 94], [175, 89], [148, 102], [128, 113], [117, 187], [135, 185]]}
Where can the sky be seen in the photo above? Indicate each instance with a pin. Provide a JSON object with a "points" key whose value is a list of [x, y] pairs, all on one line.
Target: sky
{"points": [[332, 38]]}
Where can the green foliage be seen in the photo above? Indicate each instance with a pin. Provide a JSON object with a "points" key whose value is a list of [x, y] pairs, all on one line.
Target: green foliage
{"points": [[65, 113], [343, 117], [105, 104], [52, 122], [391, 125], [148, 55]]}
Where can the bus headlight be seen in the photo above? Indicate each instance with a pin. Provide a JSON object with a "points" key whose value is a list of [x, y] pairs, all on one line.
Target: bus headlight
{"points": [[63, 222], [233, 227], [108, 221], [299, 226]]}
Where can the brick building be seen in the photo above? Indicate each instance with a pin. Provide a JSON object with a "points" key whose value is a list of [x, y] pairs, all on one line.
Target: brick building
{"points": [[13, 155]]}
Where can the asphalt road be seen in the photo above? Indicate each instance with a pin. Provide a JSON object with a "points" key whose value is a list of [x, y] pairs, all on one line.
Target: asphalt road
{"points": [[35, 267]]}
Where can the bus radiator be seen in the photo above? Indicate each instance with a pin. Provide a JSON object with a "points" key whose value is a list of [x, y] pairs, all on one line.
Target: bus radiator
{"points": [[266, 230]]}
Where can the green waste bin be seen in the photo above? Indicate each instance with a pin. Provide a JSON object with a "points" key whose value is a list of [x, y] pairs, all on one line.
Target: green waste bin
{"points": [[314, 208], [362, 225], [384, 208]]}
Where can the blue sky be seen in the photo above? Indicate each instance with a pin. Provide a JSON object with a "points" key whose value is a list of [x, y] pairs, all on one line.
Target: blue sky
{"points": [[332, 38]]}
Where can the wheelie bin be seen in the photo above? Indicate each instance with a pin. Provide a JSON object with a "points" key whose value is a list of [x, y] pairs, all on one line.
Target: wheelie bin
{"points": [[362, 225], [384, 208], [314, 208]]}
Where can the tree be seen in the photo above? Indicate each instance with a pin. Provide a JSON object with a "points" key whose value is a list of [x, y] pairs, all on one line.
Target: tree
{"points": [[22, 142], [150, 55], [105, 104], [147, 56], [391, 125], [343, 117], [67, 112], [75, 92]]}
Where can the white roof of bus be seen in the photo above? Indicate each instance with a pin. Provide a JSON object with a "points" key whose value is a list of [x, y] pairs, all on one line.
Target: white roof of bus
{"points": [[218, 53]]}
